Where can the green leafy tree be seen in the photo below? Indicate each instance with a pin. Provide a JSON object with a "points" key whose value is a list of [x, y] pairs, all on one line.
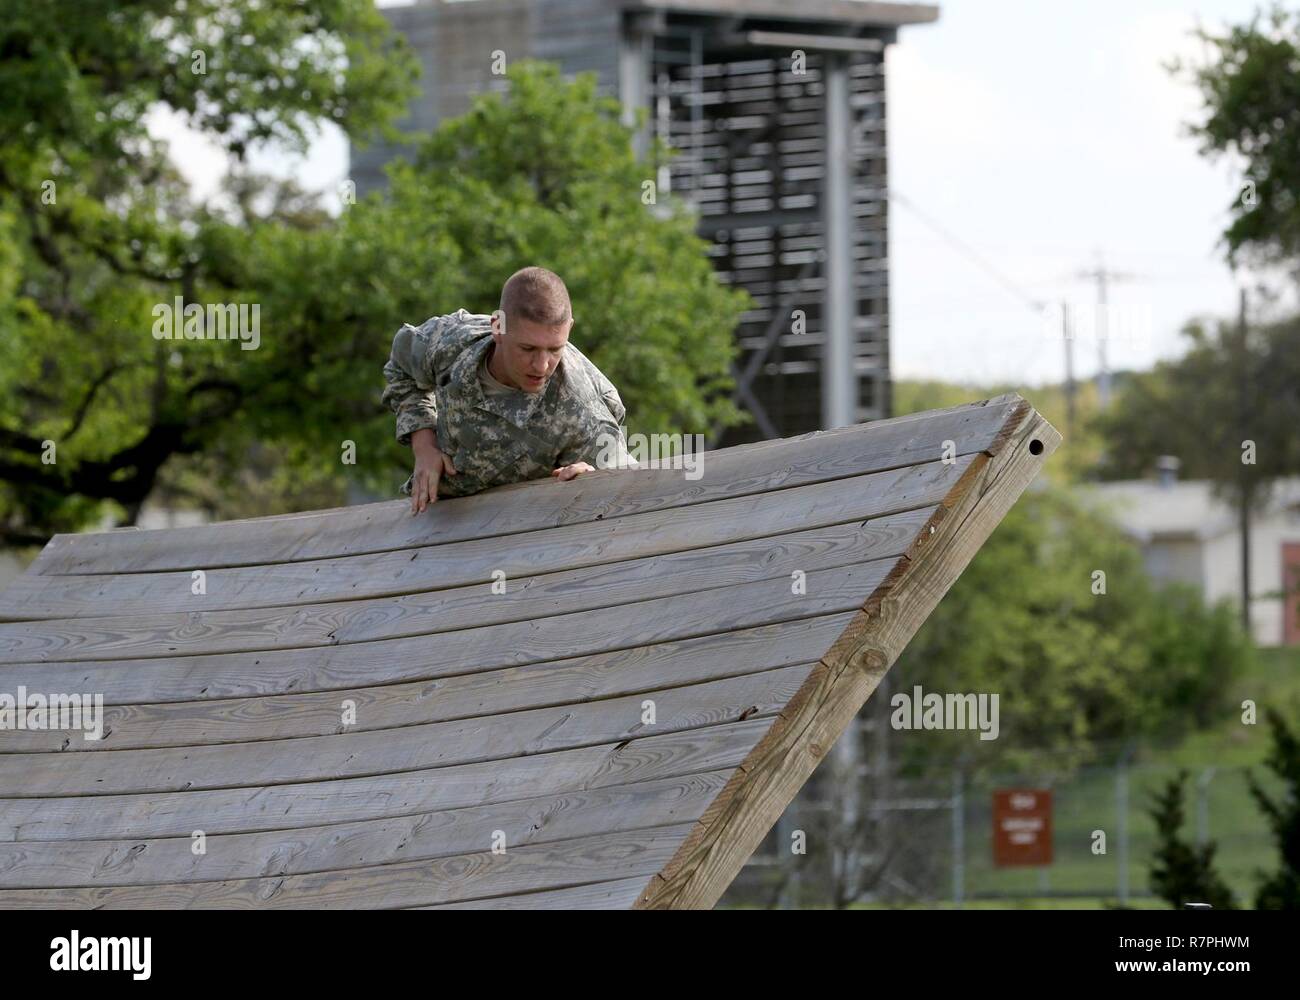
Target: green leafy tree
{"points": [[1250, 88], [1236, 385], [1281, 890], [124, 415], [1074, 669], [1181, 872], [98, 227]]}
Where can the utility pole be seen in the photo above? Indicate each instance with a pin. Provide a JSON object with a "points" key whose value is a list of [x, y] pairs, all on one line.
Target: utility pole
{"points": [[1245, 489], [1103, 276], [1067, 334]]}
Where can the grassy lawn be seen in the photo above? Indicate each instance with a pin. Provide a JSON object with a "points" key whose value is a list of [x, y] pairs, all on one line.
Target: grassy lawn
{"points": [[1275, 681]]}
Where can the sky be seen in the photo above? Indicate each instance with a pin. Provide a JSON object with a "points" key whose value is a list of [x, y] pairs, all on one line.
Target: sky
{"points": [[1028, 141]]}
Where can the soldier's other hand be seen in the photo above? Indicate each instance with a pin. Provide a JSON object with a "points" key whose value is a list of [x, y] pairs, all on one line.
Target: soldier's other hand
{"points": [[431, 464], [566, 472]]}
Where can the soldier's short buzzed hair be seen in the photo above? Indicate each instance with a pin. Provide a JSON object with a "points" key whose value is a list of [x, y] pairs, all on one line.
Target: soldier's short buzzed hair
{"points": [[537, 295]]}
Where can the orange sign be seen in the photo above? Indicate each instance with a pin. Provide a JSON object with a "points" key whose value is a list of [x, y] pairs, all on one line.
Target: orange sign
{"points": [[1022, 827]]}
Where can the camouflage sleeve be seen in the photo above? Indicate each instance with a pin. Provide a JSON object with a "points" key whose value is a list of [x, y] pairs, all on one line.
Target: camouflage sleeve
{"points": [[410, 380], [616, 455], [614, 404], [608, 449]]}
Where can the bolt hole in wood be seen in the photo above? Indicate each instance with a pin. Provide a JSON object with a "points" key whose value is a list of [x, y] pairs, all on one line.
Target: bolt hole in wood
{"points": [[1035, 447]]}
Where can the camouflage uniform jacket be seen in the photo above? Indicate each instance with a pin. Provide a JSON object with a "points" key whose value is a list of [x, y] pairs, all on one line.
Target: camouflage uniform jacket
{"points": [[432, 378]]}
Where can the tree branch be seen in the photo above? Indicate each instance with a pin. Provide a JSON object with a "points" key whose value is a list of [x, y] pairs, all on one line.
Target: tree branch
{"points": [[82, 409]]}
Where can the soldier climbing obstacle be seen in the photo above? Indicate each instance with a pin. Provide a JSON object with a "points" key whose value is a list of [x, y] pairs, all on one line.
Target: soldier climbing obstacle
{"points": [[483, 403]]}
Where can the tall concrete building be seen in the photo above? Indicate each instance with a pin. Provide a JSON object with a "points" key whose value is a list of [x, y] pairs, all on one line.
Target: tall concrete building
{"points": [[778, 109]]}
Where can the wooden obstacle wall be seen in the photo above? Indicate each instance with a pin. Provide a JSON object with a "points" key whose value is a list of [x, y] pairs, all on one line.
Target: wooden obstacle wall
{"points": [[482, 718]]}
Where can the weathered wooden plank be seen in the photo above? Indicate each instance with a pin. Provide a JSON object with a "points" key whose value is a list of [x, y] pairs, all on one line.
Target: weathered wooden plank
{"points": [[404, 884], [339, 846], [235, 675], [765, 783], [617, 895], [409, 748], [473, 562], [319, 803], [536, 685], [629, 569], [604, 494]]}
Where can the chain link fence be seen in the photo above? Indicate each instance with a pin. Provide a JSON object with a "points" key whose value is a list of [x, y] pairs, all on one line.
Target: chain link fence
{"points": [[928, 839]]}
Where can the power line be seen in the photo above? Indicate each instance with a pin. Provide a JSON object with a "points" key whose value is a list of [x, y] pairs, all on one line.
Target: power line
{"points": [[1036, 306], [969, 252]]}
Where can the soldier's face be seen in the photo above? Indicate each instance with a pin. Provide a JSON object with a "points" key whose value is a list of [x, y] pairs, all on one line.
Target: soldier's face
{"points": [[529, 352]]}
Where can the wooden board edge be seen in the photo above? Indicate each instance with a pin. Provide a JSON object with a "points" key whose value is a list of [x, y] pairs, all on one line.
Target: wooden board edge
{"points": [[75, 538], [33, 569], [768, 779]]}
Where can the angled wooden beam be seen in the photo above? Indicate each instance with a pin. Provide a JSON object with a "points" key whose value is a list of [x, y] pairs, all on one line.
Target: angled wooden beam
{"points": [[767, 780]]}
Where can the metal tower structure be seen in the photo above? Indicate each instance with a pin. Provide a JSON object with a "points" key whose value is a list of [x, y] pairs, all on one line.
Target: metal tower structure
{"points": [[778, 110]]}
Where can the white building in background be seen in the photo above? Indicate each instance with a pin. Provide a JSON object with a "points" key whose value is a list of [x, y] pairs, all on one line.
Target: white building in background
{"points": [[1188, 535]]}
